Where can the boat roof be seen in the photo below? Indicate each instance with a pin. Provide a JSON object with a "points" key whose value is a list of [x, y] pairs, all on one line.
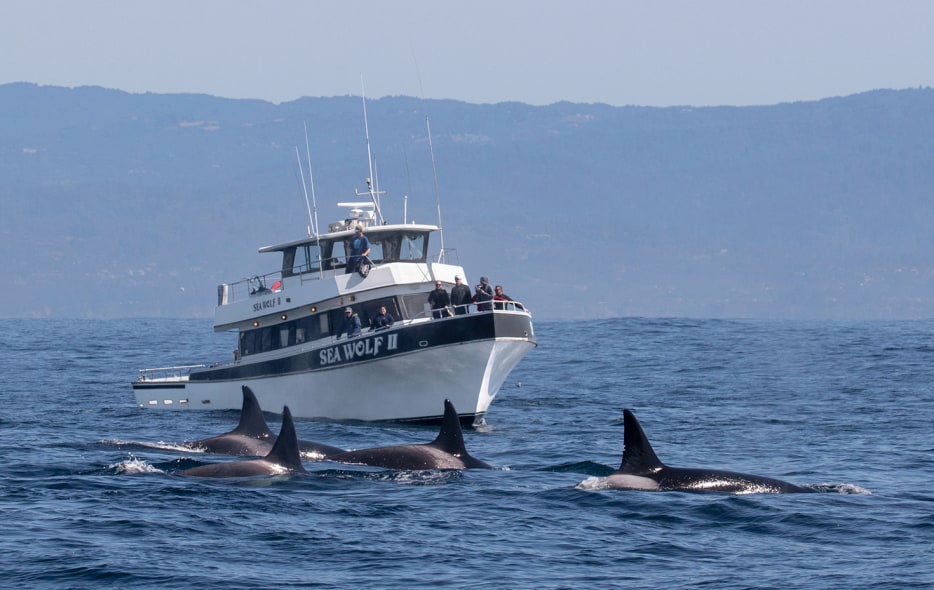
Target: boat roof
{"points": [[371, 230]]}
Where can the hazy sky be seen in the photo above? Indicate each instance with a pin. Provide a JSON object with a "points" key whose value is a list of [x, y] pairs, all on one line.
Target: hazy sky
{"points": [[650, 52]]}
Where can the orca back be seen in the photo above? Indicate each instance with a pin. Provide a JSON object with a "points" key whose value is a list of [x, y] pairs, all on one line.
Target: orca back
{"points": [[641, 469]]}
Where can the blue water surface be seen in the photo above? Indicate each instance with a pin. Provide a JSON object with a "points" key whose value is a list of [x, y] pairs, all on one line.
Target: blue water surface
{"points": [[89, 500]]}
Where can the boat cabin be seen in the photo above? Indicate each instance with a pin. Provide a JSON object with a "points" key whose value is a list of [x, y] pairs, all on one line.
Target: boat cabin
{"points": [[396, 243], [306, 261]]}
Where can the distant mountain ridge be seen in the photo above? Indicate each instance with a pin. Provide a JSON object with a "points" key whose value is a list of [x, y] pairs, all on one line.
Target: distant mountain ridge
{"points": [[126, 205]]}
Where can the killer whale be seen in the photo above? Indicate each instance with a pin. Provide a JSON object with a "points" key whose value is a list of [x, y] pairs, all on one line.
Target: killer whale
{"points": [[641, 469], [447, 451], [252, 436], [284, 457]]}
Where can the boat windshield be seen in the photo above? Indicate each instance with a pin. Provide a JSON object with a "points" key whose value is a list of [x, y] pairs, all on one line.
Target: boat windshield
{"points": [[385, 247], [305, 258]]}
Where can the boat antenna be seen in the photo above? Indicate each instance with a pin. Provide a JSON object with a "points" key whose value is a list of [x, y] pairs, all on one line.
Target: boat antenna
{"points": [[376, 180], [434, 171], [369, 157], [405, 198], [304, 190], [311, 180]]}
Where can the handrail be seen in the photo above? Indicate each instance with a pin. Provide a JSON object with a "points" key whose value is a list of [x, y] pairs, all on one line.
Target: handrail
{"points": [[177, 373], [473, 308], [271, 282], [423, 315]]}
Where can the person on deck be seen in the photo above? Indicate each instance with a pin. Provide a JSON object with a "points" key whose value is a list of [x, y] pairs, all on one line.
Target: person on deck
{"points": [[359, 250], [383, 319], [440, 302], [351, 324], [484, 295], [500, 298], [460, 297]]}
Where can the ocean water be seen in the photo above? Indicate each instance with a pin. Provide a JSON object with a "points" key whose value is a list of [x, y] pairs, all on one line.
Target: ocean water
{"points": [[88, 498]]}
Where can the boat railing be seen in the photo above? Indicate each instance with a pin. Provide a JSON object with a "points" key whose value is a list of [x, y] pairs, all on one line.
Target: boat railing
{"points": [[178, 373], [446, 256], [474, 308], [266, 284], [255, 286]]}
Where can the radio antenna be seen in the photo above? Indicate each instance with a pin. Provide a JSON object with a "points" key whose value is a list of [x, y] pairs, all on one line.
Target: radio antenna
{"points": [[311, 180], [369, 157], [304, 190], [434, 172]]}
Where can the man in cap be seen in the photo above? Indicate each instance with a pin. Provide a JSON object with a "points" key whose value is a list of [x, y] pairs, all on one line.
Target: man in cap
{"points": [[351, 324], [359, 250]]}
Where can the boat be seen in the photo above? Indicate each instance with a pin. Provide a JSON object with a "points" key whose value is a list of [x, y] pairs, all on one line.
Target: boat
{"points": [[290, 351]]}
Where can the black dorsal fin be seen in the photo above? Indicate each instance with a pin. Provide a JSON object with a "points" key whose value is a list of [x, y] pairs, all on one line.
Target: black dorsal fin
{"points": [[638, 455], [451, 438], [252, 422], [285, 452]]}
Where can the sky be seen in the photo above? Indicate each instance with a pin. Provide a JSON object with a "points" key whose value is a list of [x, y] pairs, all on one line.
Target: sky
{"points": [[619, 52]]}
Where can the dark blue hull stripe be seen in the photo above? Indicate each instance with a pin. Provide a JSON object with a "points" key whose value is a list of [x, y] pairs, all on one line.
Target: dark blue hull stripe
{"points": [[379, 345]]}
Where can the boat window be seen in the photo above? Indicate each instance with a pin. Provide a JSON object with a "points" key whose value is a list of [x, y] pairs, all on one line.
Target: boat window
{"points": [[266, 339], [399, 246], [376, 249], [305, 259], [288, 261], [283, 335], [376, 252], [309, 328], [413, 247], [415, 305], [323, 327], [371, 310], [327, 252]]}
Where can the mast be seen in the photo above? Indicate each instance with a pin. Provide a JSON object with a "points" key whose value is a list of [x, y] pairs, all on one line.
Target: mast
{"points": [[311, 181], [369, 157], [304, 190], [434, 171]]}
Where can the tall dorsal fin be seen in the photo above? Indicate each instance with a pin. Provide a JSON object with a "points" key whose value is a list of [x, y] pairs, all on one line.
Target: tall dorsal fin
{"points": [[638, 455], [451, 438], [252, 422], [285, 452]]}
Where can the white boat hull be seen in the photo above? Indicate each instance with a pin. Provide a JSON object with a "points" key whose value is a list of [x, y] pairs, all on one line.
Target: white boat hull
{"points": [[408, 386]]}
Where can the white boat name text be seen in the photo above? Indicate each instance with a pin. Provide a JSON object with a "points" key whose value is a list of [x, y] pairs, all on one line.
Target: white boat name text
{"points": [[366, 347]]}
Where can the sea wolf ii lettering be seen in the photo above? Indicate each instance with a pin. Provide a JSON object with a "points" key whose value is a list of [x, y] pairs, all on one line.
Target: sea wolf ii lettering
{"points": [[267, 303], [358, 349]]}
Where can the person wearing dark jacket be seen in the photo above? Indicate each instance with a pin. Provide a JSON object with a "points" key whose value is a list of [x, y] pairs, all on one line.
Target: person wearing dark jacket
{"points": [[359, 250], [484, 295], [383, 319], [460, 297], [440, 301], [499, 297], [351, 324]]}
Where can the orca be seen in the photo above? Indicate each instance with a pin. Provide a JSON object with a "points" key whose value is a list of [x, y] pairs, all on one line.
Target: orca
{"points": [[640, 469], [252, 436], [283, 458], [447, 451]]}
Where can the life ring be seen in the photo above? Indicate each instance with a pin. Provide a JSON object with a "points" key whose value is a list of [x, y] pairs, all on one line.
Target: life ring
{"points": [[277, 286]]}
